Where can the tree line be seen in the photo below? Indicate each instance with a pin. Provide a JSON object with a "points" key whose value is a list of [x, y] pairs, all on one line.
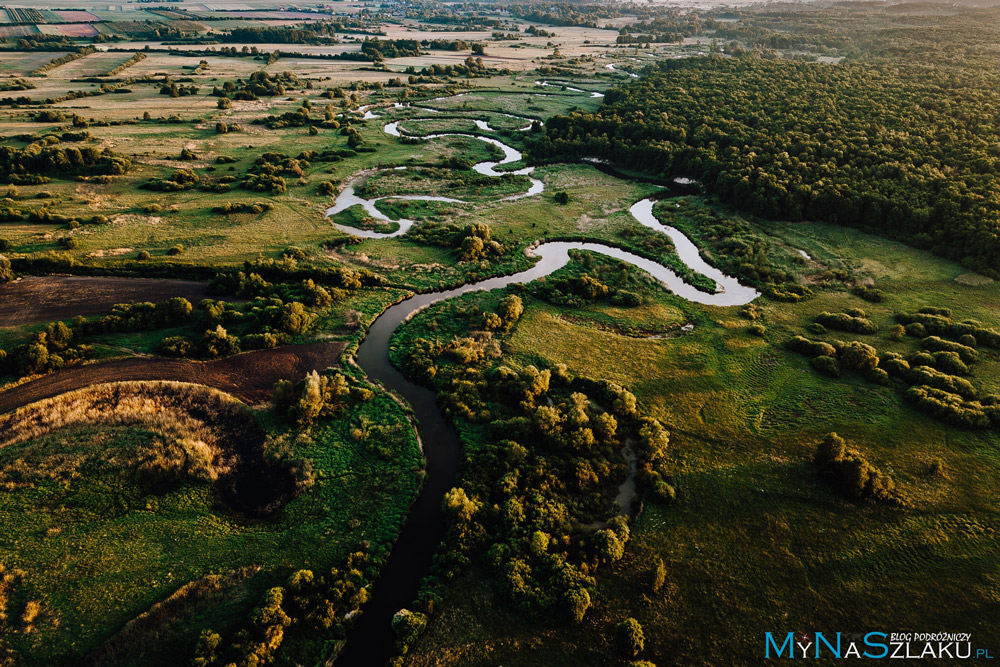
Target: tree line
{"points": [[887, 150]]}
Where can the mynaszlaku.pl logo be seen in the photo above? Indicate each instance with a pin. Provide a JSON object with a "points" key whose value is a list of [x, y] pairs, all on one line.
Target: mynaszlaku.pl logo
{"points": [[874, 645]]}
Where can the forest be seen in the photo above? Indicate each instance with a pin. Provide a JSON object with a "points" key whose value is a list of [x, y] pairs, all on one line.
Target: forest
{"points": [[888, 150]]}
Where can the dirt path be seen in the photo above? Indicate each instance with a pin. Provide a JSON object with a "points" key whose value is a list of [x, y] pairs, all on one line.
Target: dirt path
{"points": [[249, 376], [44, 299]]}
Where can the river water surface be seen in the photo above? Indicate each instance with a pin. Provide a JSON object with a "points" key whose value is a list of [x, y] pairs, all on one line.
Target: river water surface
{"points": [[370, 641]]}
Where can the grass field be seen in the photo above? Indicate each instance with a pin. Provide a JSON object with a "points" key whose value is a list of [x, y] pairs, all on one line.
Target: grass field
{"points": [[745, 416], [99, 545]]}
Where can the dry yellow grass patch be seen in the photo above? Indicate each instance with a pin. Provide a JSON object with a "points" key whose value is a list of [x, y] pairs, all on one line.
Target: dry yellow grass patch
{"points": [[197, 420]]}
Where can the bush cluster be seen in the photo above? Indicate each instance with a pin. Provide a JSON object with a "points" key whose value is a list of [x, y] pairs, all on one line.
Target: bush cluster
{"points": [[851, 473]]}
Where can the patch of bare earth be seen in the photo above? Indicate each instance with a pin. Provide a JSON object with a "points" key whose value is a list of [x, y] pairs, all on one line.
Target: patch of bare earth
{"points": [[249, 377]]}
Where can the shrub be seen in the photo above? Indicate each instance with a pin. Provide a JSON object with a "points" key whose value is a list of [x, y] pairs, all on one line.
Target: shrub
{"points": [[176, 346], [931, 377], [858, 357], [936, 468], [950, 408], [811, 348], [175, 250], [629, 639], [577, 602], [825, 365], [950, 362], [218, 343], [6, 273], [608, 545], [921, 359], [408, 626], [659, 576], [868, 293], [850, 472], [143, 255], [895, 366], [856, 323], [816, 329], [916, 329], [936, 344]]}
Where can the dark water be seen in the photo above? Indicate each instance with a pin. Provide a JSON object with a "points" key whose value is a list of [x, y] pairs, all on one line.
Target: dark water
{"points": [[370, 641]]}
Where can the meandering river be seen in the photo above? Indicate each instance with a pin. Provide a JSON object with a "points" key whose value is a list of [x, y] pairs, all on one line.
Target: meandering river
{"points": [[370, 641]]}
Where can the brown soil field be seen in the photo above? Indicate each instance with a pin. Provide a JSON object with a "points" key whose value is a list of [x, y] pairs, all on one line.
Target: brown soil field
{"points": [[45, 299], [249, 377]]}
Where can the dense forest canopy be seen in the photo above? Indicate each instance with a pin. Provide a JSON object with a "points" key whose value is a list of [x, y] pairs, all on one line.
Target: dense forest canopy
{"points": [[864, 145]]}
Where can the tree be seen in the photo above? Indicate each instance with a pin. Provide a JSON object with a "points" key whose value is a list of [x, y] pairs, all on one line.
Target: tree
{"points": [[460, 505], [609, 547], [58, 336], [311, 399], [831, 448], [510, 309], [408, 625], [629, 639], [218, 343], [561, 197], [206, 649], [577, 602]]}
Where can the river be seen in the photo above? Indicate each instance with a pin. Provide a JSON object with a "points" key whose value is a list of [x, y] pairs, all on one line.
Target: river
{"points": [[370, 641]]}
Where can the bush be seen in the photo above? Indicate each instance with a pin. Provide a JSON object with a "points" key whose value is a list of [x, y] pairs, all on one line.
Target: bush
{"points": [[850, 472], [951, 408], [847, 322], [869, 294], [828, 366], [629, 639], [950, 362], [935, 344], [218, 343], [175, 250], [6, 273], [858, 357], [408, 626], [931, 377], [577, 602], [176, 346], [816, 329], [811, 348], [921, 359], [895, 366], [68, 243]]}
